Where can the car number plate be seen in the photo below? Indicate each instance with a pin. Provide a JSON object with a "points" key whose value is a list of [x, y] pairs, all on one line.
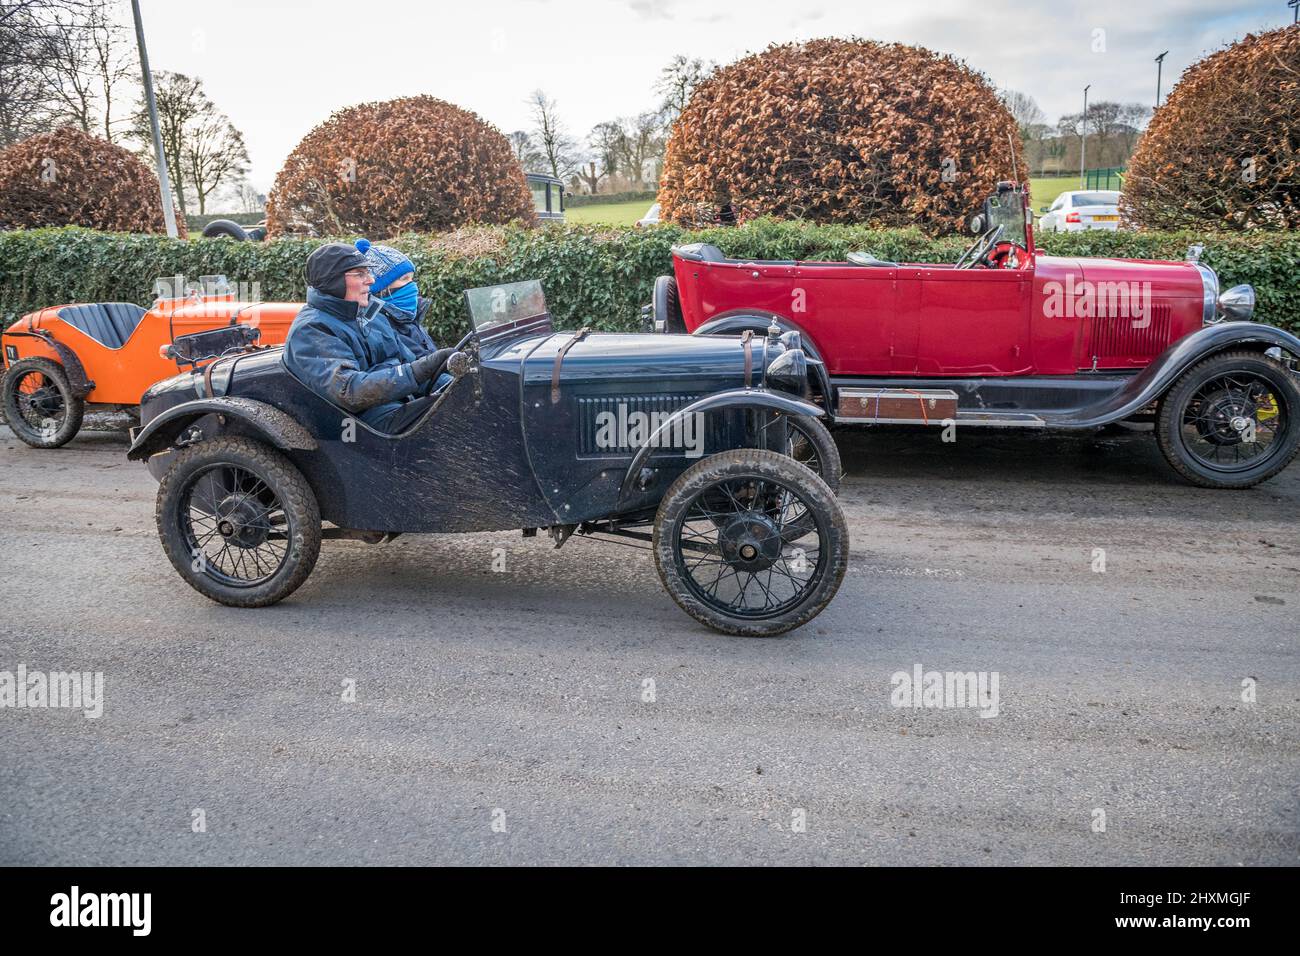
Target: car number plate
{"points": [[1105, 218]]}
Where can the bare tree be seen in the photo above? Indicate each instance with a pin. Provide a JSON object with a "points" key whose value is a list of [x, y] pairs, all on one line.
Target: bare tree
{"points": [[589, 174], [1023, 107], [67, 75], [179, 99], [248, 198], [604, 143], [677, 81], [115, 64], [530, 158], [202, 147], [1031, 122], [26, 51], [553, 141], [640, 143], [77, 52], [212, 154], [1113, 131]]}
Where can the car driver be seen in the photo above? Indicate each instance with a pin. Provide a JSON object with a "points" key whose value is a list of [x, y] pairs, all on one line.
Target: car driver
{"points": [[350, 356]]}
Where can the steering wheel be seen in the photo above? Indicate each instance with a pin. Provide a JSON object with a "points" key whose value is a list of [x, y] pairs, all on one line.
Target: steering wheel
{"points": [[977, 254]]}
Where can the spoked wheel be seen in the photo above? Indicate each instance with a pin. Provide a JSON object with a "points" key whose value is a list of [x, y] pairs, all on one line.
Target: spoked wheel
{"points": [[39, 404], [1229, 422], [238, 522], [723, 547], [809, 442]]}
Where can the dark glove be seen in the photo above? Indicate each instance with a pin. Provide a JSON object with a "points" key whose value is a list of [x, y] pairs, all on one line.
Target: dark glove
{"points": [[427, 367]]}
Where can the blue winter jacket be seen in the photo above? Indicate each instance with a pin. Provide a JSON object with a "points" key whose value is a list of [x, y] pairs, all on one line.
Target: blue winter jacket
{"points": [[358, 364]]}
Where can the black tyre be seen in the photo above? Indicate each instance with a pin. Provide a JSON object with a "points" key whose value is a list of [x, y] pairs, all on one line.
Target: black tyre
{"points": [[238, 521], [810, 443], [667, 307], [218, 228], [721, 543], [39, 404], [1230, 421]]}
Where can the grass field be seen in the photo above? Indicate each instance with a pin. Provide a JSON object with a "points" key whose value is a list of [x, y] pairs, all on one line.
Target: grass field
{"points": [[1043, 190], [613, 214]]}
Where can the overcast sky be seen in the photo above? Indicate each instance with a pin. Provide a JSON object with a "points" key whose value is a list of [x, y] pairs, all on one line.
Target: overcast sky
{"points": [[279, 67]]}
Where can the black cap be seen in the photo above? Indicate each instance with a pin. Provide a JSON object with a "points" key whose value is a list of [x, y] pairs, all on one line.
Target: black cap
{"points": [[325, 267]]}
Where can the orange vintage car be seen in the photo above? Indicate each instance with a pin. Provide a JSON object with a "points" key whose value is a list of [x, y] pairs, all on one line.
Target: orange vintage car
{"points": [[61, 360]]}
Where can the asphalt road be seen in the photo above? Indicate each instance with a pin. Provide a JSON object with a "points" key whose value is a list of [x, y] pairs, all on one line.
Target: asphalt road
{"points": [[516, 697]]}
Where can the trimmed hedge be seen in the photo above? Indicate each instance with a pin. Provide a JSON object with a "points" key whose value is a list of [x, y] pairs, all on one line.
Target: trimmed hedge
{"points": [[604, 199], [592, 276]]}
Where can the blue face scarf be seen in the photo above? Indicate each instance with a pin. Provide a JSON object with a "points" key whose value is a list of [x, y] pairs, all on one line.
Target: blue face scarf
{"points": [[407, 298]]}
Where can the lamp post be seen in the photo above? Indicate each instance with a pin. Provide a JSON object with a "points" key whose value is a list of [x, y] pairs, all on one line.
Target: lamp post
{"points": [[1083, 146], [1295, 8], [164, 183], [1160, 62]]}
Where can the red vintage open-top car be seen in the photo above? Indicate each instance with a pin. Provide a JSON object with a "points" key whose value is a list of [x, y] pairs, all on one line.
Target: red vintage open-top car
{"points": [[1008, 336]]}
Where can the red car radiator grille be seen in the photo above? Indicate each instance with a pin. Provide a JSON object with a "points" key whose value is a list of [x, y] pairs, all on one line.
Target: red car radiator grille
{"points": [[1116, 340]]}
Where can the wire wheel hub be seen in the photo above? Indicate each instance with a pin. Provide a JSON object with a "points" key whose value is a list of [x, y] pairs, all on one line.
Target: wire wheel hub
{"points": [[750, 541], [39, 399], [1235, 421], [242, 521]]}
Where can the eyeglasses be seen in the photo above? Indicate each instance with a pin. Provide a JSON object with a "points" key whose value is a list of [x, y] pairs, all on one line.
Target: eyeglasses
{"points": [[358, 273]]}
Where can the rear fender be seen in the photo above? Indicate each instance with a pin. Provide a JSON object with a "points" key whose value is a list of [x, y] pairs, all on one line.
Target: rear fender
{"points": [[268, 422], [731, 399], [72, 367]]}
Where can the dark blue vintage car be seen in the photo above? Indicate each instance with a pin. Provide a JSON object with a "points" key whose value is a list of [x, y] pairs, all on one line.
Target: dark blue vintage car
{"points": [[703, 448]]}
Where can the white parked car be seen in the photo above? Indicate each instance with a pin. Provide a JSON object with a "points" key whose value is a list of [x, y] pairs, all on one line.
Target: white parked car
{"points": [[1082, 209], [651, 217]]}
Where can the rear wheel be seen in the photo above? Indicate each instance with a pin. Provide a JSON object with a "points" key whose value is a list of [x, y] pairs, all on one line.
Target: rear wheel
{"points": [[238, 521], [667, 306], [723, 550], [39, 404], [809, 442], [1229, 422]]}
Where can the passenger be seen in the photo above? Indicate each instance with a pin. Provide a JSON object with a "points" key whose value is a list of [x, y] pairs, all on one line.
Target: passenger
{"points": [[349, 358], [395, 284]]}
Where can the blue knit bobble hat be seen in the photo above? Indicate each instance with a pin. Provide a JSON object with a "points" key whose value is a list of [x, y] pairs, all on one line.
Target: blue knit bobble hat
{"points": [[385, 262]]}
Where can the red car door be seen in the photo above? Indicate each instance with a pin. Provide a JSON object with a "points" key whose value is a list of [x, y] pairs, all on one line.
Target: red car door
{"points": [[968, 321], [849, 311]]}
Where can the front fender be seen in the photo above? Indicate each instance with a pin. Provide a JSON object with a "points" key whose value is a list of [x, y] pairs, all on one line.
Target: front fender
{"points": [[1157, 378], [733, 398], [271, 423]]}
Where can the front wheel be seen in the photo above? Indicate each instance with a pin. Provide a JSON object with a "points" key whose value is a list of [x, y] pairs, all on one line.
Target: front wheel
{"points": [[39, 404], [238, 521], [1229, 422], [724, 550]]}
